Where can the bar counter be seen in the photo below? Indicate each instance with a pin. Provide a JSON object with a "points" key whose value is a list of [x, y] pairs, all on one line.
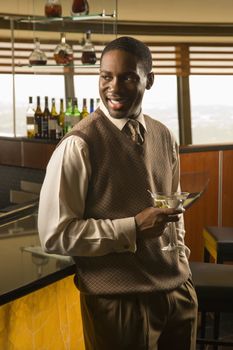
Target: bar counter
{"points": [[39, 302]]}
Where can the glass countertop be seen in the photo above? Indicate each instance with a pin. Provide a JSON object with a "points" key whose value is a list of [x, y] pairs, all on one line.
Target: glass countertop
{"points": [[23, 263]]}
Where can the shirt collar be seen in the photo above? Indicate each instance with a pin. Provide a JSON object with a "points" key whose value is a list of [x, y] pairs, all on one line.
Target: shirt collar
{"points": [[120, 123]]}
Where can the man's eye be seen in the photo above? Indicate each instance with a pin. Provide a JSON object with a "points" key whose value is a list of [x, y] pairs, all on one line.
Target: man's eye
{"points": [[106, 77], [130, 78]]}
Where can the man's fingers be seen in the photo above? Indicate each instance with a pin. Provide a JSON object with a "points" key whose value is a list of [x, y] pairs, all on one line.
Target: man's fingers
{"points": [[172, 211], [173, 218], [156, 217], [164, 218]]}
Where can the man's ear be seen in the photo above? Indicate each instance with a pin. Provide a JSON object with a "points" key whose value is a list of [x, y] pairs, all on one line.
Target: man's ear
{"points": [[150, 80]]}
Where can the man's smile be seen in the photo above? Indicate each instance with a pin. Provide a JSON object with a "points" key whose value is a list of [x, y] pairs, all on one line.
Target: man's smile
{"points": [[116, 104]]}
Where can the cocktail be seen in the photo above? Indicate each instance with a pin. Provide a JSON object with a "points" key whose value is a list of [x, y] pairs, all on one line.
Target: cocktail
{"points": [[173, 200]]}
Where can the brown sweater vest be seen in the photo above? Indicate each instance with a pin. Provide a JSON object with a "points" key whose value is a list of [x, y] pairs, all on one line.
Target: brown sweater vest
{"points": [[121, 174]]}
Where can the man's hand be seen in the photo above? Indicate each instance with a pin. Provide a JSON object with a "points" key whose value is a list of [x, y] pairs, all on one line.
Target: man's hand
{"points": [[153, 220]]}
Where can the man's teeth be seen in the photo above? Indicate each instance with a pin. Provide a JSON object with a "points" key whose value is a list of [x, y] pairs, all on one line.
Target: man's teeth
{"points": [[116, 104]]}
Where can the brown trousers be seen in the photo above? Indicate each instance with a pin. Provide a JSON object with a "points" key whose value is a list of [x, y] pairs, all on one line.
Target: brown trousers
{"points": [[156, 321]]}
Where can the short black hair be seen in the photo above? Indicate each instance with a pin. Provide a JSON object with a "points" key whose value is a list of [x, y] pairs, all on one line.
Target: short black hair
{"points": [[133, 46]]}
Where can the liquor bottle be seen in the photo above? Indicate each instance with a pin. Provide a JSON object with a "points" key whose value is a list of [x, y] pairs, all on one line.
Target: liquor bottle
{"points": [[84, 112], [97, 103], [68, 113], [53, 121], [37, 57], [61, 120], [63, 53], [92, 101], [30, 119], [53, 8], [88, 50], [76, 115], [79, 7], [38, 119], [45, 120]]}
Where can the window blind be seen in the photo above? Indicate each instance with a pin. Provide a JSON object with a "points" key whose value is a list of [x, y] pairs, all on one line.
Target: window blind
{"points": [[174, 59]]}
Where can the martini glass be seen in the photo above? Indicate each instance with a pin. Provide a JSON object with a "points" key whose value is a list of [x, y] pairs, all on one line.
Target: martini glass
{"points": [[173, 200]]}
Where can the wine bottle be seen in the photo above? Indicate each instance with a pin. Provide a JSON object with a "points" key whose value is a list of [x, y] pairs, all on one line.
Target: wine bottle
{"points": [[75, 116], [68, 113], [88, 50], [92, 101], [38, 119], [45, 120], [30, 113], [53, 121], [61, 120], [97, 103], [84, 112]]}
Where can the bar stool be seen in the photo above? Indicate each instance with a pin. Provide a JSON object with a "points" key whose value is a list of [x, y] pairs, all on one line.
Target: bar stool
{"points": [[218, 243], [214, 288]]}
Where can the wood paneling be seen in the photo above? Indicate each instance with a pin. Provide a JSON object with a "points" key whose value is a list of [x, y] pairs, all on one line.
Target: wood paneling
{"points": [[10, 152], [18, 152], [36, 155], [205, 211], [227, 189]]}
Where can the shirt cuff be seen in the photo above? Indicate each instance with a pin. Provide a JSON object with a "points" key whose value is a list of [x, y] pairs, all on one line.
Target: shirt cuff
{"points": [[125, 234]]}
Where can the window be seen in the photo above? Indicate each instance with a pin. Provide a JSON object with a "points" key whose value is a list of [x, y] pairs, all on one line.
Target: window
{"points": [[160, 102], [211, 108], [86, 86], [6, 105], [25, 86], [209, 68]]}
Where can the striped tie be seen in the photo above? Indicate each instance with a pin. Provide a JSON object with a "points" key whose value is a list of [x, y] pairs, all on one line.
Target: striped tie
{"points": [[134, 131]]}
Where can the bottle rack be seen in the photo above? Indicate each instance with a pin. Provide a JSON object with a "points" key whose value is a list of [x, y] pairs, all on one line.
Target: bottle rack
{"points": [[46, 20], [67, 24], [62, 68]]}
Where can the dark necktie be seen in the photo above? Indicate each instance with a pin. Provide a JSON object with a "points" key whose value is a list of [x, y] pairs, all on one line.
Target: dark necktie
{"points": [[133, 130]]}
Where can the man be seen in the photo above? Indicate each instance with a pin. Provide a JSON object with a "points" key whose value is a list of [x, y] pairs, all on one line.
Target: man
{"points": [[95, 206]]}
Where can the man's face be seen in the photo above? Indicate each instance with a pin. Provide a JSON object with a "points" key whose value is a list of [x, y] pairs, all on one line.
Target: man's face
{"points": [[122, 84]]}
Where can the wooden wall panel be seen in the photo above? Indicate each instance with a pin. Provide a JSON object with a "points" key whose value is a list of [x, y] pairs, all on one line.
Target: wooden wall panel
{"points": [[205, 211], [28, 154], [36, 155], [10, 152], [227, 189]]}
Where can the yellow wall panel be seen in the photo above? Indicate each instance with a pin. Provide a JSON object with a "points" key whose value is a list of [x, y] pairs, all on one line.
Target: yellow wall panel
{"points": [[47, 319]]}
